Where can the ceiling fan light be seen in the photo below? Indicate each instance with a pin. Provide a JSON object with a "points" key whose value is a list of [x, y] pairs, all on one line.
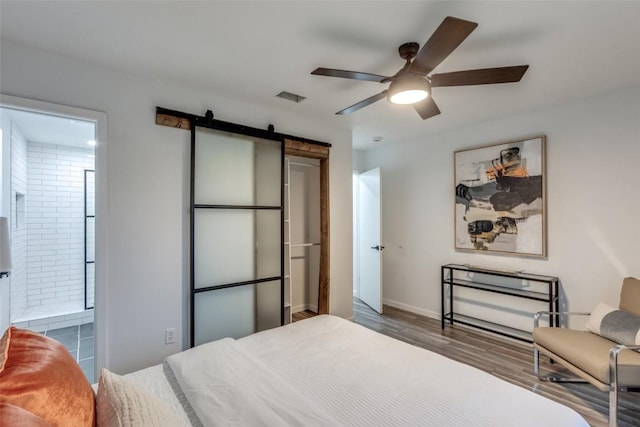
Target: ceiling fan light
{"points": [[409, 97], [408, 89]]}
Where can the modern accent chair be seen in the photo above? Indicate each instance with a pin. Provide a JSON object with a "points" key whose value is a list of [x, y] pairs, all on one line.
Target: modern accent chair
{"points": [[597, 358]]}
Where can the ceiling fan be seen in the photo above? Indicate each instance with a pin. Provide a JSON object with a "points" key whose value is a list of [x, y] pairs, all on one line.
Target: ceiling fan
{"points": [[412, 84]]}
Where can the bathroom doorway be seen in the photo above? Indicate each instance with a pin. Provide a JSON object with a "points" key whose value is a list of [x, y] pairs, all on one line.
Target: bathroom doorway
{"points": [[48, 196]]}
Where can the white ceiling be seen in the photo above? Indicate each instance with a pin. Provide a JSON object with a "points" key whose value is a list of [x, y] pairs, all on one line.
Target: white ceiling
{"points": [[251, 50], [49, 129]]}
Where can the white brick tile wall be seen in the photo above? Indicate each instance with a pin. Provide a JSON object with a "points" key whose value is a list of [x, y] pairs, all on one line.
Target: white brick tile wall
{"points": [[19, 290], [55, 221], [48, 233]]}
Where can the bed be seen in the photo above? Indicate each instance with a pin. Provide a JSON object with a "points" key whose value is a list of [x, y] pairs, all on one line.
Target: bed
{"points": [[327, 371]]}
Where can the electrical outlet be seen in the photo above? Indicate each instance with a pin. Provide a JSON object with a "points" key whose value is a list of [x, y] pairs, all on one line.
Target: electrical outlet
{"points": [[170, 336]]}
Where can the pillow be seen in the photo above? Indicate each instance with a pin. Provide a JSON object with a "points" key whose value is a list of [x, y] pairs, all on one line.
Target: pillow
{"points": [[39, 375], [614, 324], [12, 415], [121, 403]]}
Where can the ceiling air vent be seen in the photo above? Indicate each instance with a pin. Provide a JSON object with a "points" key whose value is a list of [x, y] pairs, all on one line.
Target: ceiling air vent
{"points": [[291, 96]]}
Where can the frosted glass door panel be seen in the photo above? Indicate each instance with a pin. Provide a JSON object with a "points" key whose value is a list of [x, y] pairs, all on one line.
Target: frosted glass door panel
{"points": [[268, 303], [232, 246], [235, 170], [224, 313], [224, 247], [236, 261], [224, 169], [236, 312], [268, 243], [268, 173]]}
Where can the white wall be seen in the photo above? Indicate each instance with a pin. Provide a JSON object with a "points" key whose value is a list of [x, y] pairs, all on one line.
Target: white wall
{"points": [[148, 190], [358, 160], [593, 175]]}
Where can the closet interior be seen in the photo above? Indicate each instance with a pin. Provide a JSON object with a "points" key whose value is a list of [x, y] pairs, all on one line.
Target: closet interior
{"points": [[302, 235]]}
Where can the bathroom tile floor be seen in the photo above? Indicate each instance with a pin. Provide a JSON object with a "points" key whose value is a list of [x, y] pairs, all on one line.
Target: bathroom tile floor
{"points": [[79, 341]]}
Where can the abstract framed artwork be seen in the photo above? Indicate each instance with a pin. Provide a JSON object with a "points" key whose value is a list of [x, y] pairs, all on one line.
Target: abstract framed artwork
{"points": [[500, 194]]}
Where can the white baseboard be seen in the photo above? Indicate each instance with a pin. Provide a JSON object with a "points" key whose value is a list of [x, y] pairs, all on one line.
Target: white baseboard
{"points": [[411, 308], [55, 322]]}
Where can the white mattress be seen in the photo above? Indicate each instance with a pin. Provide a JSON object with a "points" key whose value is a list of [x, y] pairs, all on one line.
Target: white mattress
{"points": [[359, 377], [365, 378]]}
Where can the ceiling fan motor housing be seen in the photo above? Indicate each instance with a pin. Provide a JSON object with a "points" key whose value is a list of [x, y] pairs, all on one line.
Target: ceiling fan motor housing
{"points": [[408, 51]]}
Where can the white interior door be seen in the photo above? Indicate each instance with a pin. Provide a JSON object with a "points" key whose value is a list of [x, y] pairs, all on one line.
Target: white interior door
{"points": [[370, 237]]}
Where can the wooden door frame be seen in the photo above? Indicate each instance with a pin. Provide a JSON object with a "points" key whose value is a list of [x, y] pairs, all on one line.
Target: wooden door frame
{"points": [[304, 149]]}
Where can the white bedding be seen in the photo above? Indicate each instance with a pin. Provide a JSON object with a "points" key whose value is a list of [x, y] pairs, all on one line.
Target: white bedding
{"points": [[226, 385], [159, 380], [329, 371]]}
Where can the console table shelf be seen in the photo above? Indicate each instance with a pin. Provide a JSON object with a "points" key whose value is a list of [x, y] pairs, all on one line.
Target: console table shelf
{"points": [[548, 294], [495, 328]]}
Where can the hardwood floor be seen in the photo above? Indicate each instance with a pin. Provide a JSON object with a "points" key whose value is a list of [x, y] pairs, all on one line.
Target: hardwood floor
{"points": [[300, 315], [504, 358]]}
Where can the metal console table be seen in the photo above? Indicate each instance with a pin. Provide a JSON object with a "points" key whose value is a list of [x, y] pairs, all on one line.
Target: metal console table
{"points": [[450, 281]]}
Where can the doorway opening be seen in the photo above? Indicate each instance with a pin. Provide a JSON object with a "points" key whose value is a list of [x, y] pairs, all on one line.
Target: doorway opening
{"points": [[355, 183], [368, 239], [48, 196], [316, 242], [302, 237]]}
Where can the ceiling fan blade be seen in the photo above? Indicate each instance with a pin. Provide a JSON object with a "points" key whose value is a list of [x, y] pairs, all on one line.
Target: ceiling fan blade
{"points": [[363, 103], [485, 76], [356, 75], [447, 37], [427, 108]]}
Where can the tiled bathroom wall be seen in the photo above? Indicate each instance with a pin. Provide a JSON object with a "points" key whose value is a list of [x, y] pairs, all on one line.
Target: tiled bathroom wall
{"points": [[19, 302], [54, 214]]}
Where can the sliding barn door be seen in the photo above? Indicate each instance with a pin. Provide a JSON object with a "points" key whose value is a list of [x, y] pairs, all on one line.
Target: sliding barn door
{"points": [[236, 234]]}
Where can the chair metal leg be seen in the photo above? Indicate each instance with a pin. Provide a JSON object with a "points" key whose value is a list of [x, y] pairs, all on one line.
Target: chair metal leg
{"points": [[613, 406], [614, 381], [613, 387]]}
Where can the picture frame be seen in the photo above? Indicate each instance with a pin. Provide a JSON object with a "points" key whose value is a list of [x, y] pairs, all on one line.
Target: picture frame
{"points": [[500, 198]]}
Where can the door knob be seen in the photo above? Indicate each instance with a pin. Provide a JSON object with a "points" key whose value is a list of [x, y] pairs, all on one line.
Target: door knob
{"points": [[377, 247]]}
